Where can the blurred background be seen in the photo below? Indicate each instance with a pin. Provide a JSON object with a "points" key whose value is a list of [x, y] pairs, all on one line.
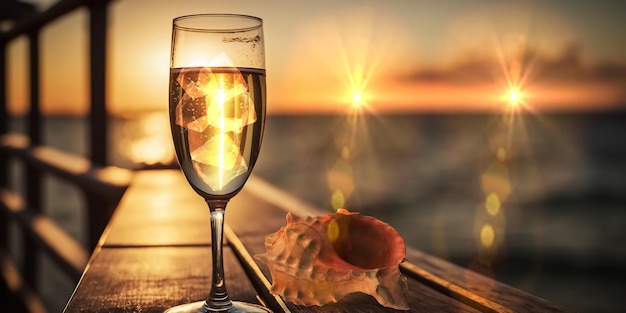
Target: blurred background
{"points": [[488, 133]]}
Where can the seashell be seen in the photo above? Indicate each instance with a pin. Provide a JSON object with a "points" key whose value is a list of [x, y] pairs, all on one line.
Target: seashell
{"points": [[319, 260]]}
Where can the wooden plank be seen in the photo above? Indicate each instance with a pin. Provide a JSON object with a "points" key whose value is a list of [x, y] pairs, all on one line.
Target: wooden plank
{"points": [[151, 279], [472, 288], [159, 203], [159, 209], [257, 278], [250, 215], [63, 249]]}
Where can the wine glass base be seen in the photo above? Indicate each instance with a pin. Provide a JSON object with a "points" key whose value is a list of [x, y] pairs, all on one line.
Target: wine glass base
{"points": [[238, 307]]}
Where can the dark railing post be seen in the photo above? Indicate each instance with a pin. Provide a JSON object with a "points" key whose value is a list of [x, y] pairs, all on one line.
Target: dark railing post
{"points": [[98, 60], [33, 176], [4, 114], [34, 115], [99, 211], [4, 128]]}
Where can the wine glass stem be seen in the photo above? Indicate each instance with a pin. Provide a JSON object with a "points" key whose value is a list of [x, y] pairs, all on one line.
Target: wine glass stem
{"points": [[218, 299]]}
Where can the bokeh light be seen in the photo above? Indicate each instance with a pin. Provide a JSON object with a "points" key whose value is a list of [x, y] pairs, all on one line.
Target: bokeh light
{"points": [[487, 235], [147, 140]]}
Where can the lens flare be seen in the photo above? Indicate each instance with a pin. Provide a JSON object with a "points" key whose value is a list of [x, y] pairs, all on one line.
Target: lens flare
{"points": [[514, 96], [492, 204], [356, 61], [487, 235], [356, 95], [357, 99]]}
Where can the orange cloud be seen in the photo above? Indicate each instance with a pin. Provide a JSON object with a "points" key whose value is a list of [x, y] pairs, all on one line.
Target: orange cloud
{"points": [[552, 82]]}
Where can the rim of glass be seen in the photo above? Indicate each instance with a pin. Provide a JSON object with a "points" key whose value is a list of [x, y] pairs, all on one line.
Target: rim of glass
{"points": [[256, 22]]}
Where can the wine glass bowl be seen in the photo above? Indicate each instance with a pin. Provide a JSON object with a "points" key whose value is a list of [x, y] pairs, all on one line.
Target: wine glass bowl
{"points": [[217, 115]]}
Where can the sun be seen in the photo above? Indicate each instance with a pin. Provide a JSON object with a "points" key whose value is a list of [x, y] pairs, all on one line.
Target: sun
{"points": [[357, 100], [515, 97]]}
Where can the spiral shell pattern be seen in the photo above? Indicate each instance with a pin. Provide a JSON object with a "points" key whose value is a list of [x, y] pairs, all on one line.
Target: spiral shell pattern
{"points": [[319, 260]]}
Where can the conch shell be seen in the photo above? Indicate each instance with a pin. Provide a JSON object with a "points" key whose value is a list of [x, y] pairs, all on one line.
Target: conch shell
{"points": [[319, 260]]}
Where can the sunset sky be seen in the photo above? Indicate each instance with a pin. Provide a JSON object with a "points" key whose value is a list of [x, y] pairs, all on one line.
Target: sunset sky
{"points": [[397, 55]]}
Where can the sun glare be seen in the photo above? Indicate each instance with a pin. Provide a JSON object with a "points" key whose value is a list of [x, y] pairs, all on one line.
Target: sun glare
{"points": [[357, 84], [515, 97], [357, 100]]}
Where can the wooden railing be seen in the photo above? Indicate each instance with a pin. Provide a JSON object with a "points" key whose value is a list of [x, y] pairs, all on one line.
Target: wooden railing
{"points": [[102, 185]]}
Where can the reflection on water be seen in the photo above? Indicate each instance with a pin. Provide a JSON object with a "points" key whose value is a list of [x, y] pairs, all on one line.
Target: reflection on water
{"points": [[145, 141]]}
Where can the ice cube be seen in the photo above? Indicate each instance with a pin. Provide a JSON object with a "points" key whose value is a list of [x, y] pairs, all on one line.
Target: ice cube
{"points": [[218, 99], [191, 113], [219, 151], [219, 160]]}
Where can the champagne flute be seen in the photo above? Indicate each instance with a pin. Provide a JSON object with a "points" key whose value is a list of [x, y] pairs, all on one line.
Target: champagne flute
{"points": [[217, 114]]}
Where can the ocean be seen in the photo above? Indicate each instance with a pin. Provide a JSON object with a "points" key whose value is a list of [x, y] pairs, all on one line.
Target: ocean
{"points": [[537, 201]]}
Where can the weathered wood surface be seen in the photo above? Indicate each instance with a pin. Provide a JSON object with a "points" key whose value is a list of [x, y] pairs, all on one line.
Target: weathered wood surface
{"points": [[472, 288], [155, 253], [151, 279]]}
